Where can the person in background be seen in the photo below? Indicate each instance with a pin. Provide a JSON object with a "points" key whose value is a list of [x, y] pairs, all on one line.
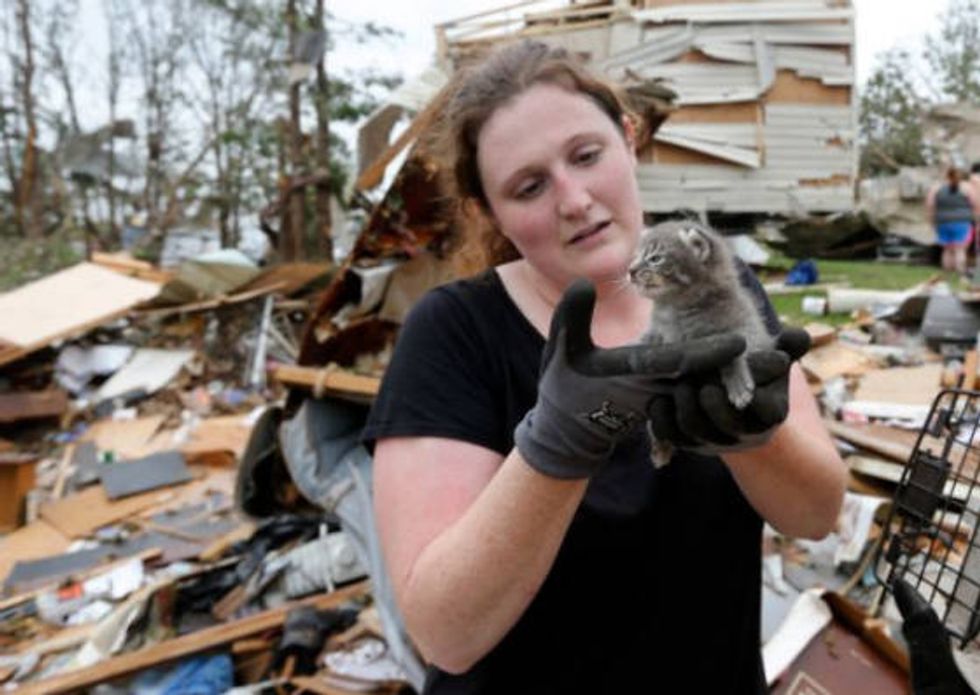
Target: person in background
{"points": [[952, 207], [531, 544]]}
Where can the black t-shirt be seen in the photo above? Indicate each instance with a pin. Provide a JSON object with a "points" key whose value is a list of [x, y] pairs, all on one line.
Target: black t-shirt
{"points": [[657, 581]]}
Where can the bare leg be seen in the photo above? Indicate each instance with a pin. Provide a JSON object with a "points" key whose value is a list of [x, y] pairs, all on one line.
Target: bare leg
{"points": [[959, 259]]}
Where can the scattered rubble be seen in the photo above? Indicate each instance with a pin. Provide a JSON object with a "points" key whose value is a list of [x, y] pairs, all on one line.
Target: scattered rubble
{"points": [[127, 400]]}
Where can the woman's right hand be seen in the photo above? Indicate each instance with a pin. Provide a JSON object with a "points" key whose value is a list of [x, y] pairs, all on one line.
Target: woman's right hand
{"points": [[590, 398]]}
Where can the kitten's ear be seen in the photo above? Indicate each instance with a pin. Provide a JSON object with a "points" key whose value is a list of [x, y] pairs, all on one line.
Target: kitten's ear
{"points": [[697, 241]]}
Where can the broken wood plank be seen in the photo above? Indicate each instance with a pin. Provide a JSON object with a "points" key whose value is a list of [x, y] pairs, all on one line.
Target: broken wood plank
{"points": [[901, 385], [835, 359], [820, 333], [326, 379], [185, 645], [16, 480], [862, 437], [31, 405], [69, 302], [205, 305], [127, 438], [125, 264]]}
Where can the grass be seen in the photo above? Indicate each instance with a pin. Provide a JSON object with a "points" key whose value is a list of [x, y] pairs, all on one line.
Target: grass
{"points": [[872, 275]]}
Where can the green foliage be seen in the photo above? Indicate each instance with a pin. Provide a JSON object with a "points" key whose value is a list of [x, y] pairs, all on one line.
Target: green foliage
{"points": [[890, 122], [954, 54]]}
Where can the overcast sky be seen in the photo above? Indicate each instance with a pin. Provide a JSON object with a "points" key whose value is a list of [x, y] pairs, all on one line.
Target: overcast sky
{"points": [[881, 24]]}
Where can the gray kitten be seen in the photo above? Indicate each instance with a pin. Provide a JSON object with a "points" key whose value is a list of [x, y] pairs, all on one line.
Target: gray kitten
{"points": [[689, 272]]}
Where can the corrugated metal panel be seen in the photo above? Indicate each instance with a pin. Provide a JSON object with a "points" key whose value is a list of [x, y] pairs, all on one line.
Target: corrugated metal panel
{"points": [[801, 143], [831, 67], [656, 46], [735, 134], [798, 10], [738, 155], [705, 83], [800, 34]]}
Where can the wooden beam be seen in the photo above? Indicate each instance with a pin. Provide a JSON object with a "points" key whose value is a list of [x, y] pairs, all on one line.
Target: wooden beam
{"points": [[186, 645], [326, 379], [374, 173], [30, 405]]}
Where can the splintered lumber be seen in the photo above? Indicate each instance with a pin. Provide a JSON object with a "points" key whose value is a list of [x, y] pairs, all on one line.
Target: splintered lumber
{"points": [[185, 645], [861, 437], [326, 379], [30, 405]]}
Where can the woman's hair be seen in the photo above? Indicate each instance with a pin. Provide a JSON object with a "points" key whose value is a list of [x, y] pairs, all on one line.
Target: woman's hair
{"points": [[477, 92], [953, 178]]}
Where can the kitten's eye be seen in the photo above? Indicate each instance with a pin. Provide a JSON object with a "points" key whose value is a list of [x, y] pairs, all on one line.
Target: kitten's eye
{"points": [[654, 258]]}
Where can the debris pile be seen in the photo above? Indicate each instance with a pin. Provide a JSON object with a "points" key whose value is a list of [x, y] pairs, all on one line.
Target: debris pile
{"points": [[128, 396]]}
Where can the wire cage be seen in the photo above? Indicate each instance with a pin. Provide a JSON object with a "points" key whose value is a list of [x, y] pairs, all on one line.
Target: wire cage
{"points": [[931, 535]]}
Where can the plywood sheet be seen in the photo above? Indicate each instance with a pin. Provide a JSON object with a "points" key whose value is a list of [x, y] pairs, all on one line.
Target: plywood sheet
{"points": [[82, 513], [790, 88], [67, 302], [835, 359], [901, 385], [127, 438]]}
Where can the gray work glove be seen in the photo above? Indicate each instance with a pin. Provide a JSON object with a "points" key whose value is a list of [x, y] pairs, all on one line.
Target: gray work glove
{"points": [[698, 416], [590, 398]]}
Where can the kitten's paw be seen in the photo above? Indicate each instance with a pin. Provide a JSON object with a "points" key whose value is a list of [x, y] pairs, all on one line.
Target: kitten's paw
{"points": [[738, 383]]}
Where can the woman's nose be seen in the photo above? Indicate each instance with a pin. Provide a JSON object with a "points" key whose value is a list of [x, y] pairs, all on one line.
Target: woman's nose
{"points": [[574, 199]]}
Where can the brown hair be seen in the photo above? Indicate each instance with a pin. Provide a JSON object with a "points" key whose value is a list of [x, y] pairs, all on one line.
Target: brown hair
{"points": [[477, 92], [953, 177]]}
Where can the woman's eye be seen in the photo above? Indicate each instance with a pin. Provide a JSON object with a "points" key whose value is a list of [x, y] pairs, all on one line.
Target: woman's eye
{"points": [[587, 155], [529, 189]]}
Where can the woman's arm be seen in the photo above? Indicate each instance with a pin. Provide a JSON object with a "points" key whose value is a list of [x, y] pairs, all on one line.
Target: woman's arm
{"points": [[796, 480], [468, 538]]}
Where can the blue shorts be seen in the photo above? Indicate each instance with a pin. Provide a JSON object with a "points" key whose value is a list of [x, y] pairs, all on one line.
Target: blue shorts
{"points": [[953, 233]]}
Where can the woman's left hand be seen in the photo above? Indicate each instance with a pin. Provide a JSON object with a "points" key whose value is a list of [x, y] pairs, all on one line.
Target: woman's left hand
{"points": [[697, 415]]}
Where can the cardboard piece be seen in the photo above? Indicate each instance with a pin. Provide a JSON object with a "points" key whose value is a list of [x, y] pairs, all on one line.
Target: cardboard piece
{"points": [[66, 303]]}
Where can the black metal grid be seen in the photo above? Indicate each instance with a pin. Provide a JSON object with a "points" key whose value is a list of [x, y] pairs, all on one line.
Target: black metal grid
{"points": [[931, 534]]}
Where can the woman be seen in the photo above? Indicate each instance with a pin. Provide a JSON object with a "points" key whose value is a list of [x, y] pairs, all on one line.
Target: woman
{"points": [[531, 544], [952, 207]]}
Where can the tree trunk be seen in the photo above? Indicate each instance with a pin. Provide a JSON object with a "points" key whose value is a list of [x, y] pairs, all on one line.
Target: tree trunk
{"points": [[291, 234], [27, 202], [323, 224]]}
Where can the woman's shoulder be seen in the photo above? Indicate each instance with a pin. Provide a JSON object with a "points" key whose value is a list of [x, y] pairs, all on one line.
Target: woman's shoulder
{"points": [[460, 296]]}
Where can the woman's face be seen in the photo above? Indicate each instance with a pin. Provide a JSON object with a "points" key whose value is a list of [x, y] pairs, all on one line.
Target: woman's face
{"points": [[560, 180]]}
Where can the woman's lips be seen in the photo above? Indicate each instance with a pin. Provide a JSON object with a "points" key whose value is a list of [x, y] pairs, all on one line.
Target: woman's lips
{"points": [[589, 232]]}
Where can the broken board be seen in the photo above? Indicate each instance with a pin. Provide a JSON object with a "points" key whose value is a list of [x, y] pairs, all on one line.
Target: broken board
{"points": [[66, 303]]}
